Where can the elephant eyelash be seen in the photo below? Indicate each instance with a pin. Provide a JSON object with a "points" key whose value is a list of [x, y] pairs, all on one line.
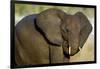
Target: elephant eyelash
{"points": [[66, 30]]}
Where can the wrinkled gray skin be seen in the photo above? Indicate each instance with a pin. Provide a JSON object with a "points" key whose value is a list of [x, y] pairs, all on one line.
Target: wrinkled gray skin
{"points": [[46, 37]]}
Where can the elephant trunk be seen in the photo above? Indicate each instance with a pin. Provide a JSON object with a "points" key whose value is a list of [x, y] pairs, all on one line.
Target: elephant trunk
{"points": [[71, 47]]}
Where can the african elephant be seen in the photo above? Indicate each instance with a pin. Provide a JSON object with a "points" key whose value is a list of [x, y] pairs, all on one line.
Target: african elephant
{"points": [[50, 37]]}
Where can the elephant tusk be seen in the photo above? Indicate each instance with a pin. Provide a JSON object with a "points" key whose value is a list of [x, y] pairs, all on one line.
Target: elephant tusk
{"points": [[69, 50], [80, 48]]}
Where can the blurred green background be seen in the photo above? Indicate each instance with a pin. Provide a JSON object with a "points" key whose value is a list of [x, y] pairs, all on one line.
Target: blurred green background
{"points": [[23, 9]]}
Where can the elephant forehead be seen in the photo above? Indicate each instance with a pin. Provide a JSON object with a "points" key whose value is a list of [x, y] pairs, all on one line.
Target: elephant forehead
{"points": [[73, 22]]}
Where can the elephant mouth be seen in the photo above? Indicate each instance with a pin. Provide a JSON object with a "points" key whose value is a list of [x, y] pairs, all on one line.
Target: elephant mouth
{"points": [[68, 50]]}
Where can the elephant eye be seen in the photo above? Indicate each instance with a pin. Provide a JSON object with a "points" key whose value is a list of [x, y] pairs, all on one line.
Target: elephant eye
{"points": [[66, 30]]}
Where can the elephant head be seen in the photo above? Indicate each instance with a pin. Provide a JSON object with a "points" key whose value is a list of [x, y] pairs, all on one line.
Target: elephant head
{"points": [[60, 28], [71, 34]]}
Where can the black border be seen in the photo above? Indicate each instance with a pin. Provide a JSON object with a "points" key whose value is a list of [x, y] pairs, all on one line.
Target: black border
{"points": [[12, 16]]}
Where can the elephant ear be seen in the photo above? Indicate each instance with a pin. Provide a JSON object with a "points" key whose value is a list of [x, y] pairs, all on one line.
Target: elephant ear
{"points": [[49, 24], [86, 28]]}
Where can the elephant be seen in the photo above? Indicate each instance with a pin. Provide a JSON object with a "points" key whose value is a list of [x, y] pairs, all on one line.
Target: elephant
{"points": [[49, 37]]}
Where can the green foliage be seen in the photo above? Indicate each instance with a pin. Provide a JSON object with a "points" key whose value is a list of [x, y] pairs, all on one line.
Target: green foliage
{"points": [[24, 9]]}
